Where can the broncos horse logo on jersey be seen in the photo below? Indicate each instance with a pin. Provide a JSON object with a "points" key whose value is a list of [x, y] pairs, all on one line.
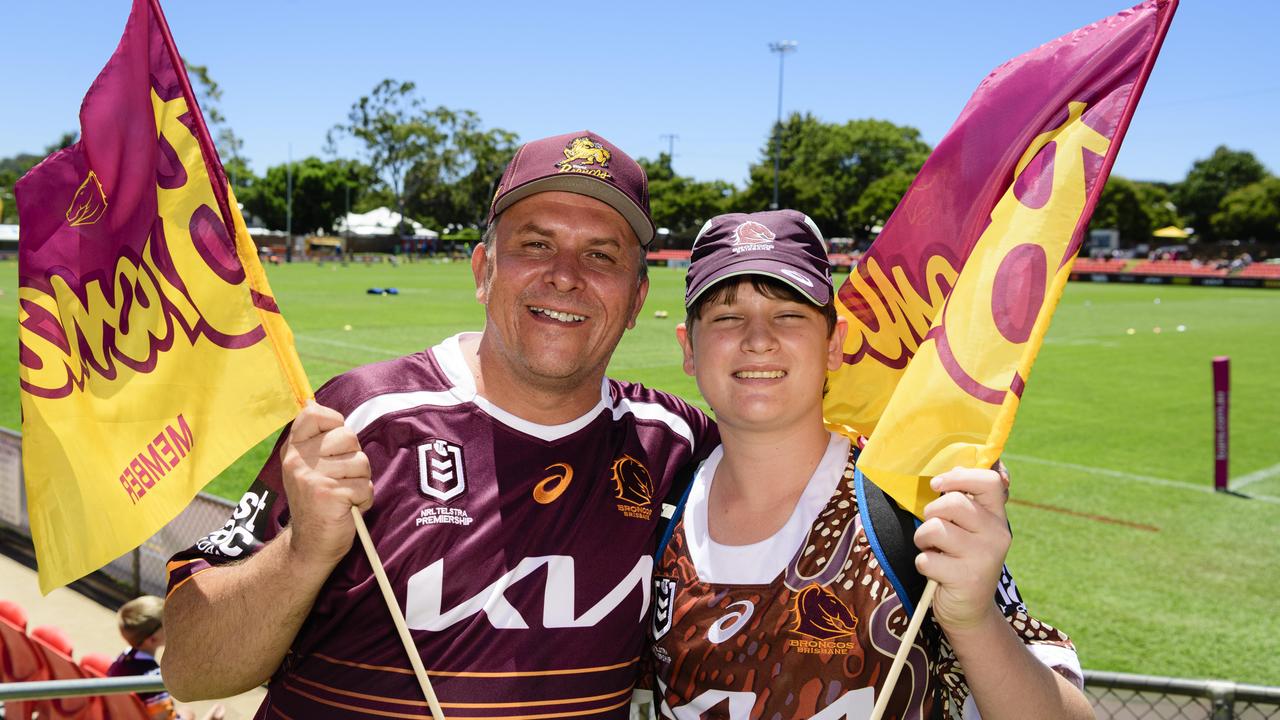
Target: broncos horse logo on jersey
{"points": [[633, 486]]}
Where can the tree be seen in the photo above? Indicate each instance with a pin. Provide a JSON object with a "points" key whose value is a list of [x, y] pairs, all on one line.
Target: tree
{"points": [[320, 193], [230, 146], [1209, 181], [1158, 202], [826, 167], [879, 200], [1251, 212], [682, 204], [1121, 207], [394, 131], [1136, 209], [454, 181], [13, 168]]}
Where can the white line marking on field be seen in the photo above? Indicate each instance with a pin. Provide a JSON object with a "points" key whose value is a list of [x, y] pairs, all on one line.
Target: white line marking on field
{"points": [[1129, 476], [1255, 476], [353, 346]]}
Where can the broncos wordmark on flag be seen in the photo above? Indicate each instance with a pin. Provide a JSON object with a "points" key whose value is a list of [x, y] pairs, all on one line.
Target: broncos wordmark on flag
{"points": [[151, 351], [948, 308]]}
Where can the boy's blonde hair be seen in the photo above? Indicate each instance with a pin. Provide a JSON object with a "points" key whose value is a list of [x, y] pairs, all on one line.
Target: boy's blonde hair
{"points": [[140, 618]]}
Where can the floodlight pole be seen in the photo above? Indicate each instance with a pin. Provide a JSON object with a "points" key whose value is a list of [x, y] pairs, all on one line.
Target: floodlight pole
{"points": [[288, 207], [782, 48]]}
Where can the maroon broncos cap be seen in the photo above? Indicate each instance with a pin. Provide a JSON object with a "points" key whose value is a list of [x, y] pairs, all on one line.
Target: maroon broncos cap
{"points": [[583, 163], [782, 244]]}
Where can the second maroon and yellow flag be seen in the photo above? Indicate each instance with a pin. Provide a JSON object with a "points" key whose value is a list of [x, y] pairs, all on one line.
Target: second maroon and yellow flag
{"points": [[152, 353], [948, 308]]}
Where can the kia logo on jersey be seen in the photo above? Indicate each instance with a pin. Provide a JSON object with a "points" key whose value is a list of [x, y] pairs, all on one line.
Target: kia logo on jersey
{"points": [[440, 470]]}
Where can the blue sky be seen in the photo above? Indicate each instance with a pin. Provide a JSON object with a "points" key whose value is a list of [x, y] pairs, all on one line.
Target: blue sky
{"points": [[634, 71]]}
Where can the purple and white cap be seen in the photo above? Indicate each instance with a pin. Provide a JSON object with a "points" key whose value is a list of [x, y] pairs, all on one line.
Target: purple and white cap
{"points": [[583, 163], [782, 244]]}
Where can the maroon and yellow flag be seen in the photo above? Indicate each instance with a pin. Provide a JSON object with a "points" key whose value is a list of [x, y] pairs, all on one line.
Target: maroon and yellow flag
{"points": [[948, 308], [152, 353]]}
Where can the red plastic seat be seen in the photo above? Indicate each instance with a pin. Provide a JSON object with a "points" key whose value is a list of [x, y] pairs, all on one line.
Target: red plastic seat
{"points": [[121, 706], [55, 647], [14, 613], [95, 664], [20, 659]]}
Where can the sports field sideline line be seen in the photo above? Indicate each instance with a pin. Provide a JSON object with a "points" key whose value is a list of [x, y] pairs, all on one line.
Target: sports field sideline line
{"points": [[1255, 476], [1127, 476], [353, 346]]}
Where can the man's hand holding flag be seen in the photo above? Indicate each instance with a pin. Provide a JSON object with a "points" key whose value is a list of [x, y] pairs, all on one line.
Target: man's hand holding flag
{"points": [[152, 352]]}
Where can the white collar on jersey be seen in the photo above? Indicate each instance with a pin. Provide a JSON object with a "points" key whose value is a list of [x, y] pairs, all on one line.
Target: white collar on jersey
{"points": [[449, 354], [759, 563]]}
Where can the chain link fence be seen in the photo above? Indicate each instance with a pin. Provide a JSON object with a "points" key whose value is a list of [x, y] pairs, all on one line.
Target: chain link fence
{"points": [[1119, 696]]}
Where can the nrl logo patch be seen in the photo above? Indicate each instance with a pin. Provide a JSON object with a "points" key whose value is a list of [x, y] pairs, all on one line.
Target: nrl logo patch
{"points": [[751, 235], [664, 605], [582, 152], [440, 470], [633, 487]]}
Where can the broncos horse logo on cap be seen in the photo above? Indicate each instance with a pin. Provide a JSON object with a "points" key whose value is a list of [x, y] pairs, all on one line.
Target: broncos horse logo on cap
{"points": [[586, 150], [751, 235]]}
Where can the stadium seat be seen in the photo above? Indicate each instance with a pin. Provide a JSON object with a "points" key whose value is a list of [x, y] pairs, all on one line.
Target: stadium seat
{"points": [[20, 660], [124, 706], [55, 647], [95, 664], [121, 706]]}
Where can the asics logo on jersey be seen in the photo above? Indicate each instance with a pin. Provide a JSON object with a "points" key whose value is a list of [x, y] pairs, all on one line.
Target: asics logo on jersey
{"points": [[548, 490], [424, 609], [729, 625], [633, 486], [440, 470]]}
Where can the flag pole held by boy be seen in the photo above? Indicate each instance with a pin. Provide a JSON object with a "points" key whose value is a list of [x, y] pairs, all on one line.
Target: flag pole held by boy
{"points": [[949, 307]]}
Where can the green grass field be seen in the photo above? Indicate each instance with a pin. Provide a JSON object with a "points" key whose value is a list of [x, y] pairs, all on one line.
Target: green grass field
{"points": [[1125, 547]]}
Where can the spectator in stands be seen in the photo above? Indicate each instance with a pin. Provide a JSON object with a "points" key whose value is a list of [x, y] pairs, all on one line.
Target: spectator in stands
{"points": [[141, 623]]}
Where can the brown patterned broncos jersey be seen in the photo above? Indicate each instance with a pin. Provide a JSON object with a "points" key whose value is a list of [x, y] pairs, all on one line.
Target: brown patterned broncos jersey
{"points": [[521, 553], [804, 624]]}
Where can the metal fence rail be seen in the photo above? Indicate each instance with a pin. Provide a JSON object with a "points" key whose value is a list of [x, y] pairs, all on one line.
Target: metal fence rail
{"points": [[1120, 696], [50, 689]]}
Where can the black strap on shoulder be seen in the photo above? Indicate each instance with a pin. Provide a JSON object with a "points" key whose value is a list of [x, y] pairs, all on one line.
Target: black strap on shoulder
{"points": [[894, 531]]}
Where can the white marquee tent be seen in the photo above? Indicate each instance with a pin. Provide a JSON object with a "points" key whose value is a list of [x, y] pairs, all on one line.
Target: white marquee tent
{"points": [[380, 222]]}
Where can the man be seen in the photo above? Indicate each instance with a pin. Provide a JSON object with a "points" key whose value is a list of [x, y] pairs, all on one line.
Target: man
{"points": [[511, 489]]}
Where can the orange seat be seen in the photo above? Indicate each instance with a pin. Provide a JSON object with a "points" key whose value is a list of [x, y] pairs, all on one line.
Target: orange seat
{"points": [[20, 660], [121, 706], [95, 664], [55, 647]]}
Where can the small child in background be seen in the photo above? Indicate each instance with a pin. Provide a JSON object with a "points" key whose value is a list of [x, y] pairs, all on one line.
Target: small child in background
{"points": [[141, 623]]}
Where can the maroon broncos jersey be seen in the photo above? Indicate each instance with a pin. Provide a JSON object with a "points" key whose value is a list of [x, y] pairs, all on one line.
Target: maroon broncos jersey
{"points": [[520, 553]]}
